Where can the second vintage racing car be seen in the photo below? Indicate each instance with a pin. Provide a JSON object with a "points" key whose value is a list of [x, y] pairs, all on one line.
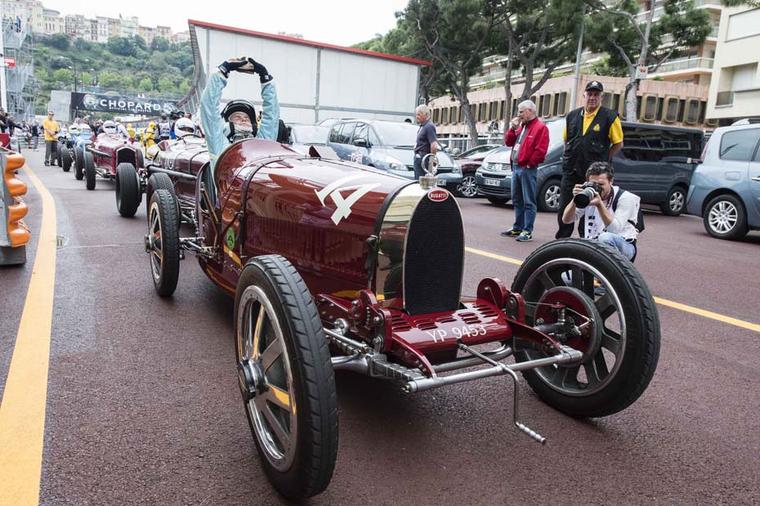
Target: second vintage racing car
{"points": [[107, 156], [338, 266]]}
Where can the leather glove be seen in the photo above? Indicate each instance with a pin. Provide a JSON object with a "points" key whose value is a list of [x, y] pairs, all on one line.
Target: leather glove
{"points": [[235, 64], [261, 70]]}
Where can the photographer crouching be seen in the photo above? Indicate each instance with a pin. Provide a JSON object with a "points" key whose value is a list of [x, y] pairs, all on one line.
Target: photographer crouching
{"points": [[609, 214]]}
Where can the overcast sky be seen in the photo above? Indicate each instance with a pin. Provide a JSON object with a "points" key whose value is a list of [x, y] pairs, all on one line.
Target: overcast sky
{"points": [[342, 22]]}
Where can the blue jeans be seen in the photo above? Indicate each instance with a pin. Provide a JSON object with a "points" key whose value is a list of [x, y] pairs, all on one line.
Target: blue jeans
{"points": [[524, 197], [618, 242]]}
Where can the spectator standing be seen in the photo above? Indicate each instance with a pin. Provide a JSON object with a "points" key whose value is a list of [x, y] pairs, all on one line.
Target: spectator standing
{"points": [[35, 131], [529, 139], [427, 140], [51, 128], [164, 128], [593, 133]]}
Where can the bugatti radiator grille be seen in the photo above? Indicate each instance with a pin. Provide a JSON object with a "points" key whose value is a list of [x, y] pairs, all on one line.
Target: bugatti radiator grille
{"points": [[434, 257]]}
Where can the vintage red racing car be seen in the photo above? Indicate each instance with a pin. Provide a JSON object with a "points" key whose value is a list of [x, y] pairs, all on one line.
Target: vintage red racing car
{"points": [[111, 157], [339, 266]]}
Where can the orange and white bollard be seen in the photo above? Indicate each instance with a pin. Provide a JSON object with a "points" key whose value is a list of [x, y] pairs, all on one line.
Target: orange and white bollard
{"points": [[14, 234]]}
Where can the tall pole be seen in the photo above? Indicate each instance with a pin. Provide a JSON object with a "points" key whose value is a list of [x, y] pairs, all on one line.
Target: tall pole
{"points": [[578, 53], [3, 88]]}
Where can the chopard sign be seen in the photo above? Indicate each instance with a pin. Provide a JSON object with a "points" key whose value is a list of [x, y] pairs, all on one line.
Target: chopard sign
{"points": [[118, 103]]}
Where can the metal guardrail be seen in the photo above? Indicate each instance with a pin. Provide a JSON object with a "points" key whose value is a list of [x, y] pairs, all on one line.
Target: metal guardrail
{"points": [[685, 64]]}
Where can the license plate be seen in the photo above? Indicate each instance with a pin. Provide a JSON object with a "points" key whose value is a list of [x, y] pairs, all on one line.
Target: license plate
{"points": [[493, 182]]}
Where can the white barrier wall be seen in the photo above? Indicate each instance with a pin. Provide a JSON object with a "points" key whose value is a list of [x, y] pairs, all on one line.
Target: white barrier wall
{"points": [[314, 82]]}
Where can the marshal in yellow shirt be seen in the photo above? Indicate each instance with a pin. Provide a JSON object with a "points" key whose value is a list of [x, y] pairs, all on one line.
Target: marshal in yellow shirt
{"points": [[616, 129]]}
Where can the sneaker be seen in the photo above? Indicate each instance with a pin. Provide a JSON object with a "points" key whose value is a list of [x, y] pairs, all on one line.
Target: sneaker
{"points": [[524, 237], [512, 232]]}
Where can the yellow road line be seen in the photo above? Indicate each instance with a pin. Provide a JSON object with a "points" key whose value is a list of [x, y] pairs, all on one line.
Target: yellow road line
{"points": [[659, 300], [22, 412]]}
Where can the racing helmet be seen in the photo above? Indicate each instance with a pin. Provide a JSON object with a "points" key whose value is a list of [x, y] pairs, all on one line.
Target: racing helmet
{"points": [[74, 129], [245, 107], [183, 127], [109, 127]]}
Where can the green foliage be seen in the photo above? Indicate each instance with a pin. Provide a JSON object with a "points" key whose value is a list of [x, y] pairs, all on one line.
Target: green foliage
{"points": [[124, 65], [60, 41]]}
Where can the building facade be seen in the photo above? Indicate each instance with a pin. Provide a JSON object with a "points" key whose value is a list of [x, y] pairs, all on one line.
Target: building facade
{"points": [[735, 86]]}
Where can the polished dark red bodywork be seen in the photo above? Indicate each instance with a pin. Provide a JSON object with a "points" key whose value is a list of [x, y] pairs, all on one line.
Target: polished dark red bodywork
{"points": [[109, 150], [184, 156], [269, 199]]}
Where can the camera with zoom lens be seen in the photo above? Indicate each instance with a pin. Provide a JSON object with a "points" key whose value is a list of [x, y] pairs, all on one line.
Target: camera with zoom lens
{"points": [[590, 189]]}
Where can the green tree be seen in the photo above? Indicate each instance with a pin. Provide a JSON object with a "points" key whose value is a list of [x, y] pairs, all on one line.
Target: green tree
{"points": [[166, 85], [85, 78], [63, 76], [160, 44], [123, 46], [454, 34], [637, 42], [109, 80], [145, 84], [60, 41]]}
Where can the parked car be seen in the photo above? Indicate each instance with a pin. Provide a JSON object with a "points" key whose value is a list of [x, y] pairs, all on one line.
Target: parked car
{"points": [[388, 146], [468, 162], [300, 136], [656, 163], [725, 188]]}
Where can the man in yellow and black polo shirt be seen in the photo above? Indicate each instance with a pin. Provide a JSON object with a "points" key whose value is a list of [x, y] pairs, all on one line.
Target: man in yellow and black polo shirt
{"points": [[593, 133]]}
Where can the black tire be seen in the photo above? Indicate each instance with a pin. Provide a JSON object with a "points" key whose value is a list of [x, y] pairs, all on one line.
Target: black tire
{"points": [[89, 171], [301, 467], [128, 195], [548, 196], [622, 353], [468, 188], [498, 201], [674, 202], [162, 181], [58, 155], [725, 217], [162, 242], [79, 164], [66, 160]]}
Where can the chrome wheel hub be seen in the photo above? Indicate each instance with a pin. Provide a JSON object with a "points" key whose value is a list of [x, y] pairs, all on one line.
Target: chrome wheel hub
{"points": [[723, 217]]}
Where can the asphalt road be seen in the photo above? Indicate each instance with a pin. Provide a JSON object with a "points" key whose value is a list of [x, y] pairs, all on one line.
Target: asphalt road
{"points": [[143, 405]]}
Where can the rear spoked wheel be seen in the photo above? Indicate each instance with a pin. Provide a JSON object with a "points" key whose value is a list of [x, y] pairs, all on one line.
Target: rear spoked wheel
{"points": [[286, 377], [620, 341]]}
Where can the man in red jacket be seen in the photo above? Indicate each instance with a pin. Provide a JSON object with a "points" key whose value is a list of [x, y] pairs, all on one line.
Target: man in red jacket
{"points": [[529, 139]]}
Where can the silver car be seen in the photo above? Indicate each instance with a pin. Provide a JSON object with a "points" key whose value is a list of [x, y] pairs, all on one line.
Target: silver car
{"points": [[725, 187]]}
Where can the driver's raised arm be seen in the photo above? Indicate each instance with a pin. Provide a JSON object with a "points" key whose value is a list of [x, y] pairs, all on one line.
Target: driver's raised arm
{"points": [[270, 115], [212, 122]]}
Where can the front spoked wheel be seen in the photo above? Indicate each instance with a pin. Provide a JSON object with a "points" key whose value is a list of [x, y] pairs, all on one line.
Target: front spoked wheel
{"points": [[613, 321], [286, 377], [162, 242]]}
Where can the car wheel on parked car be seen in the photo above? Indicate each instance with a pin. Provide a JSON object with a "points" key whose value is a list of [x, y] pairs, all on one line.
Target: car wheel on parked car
{"points": [[89, 171], [286, 377], [468, 188], [675, 201], [725, 218], [621, 342], [548, 196], [498, 201], [162, 242], [128, 195]]}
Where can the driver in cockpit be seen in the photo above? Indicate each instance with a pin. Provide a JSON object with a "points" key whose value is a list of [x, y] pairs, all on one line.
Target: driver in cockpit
{"points": [[238, 118]]}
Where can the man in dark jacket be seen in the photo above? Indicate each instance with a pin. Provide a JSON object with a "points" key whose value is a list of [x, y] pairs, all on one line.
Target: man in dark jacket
{"points": [[593, 133], [529, 139]]}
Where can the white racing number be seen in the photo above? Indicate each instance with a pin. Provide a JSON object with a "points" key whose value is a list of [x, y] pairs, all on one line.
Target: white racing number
{"points": [[343, 205], [439, 335]]}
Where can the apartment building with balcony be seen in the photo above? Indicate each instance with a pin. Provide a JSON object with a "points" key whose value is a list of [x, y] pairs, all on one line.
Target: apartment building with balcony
{"points": [[735, 87]]}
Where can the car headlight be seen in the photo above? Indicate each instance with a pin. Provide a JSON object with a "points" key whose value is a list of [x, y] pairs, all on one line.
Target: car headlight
{"points": [[394, 163]]}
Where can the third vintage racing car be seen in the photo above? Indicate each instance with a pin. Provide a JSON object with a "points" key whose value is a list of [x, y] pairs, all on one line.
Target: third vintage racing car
{"points": [[106, 157], [339, 266]]}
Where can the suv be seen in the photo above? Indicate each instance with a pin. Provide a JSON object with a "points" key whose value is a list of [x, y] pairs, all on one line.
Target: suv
{"points": [[725, 188], [656, 163], [388, 146]]}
